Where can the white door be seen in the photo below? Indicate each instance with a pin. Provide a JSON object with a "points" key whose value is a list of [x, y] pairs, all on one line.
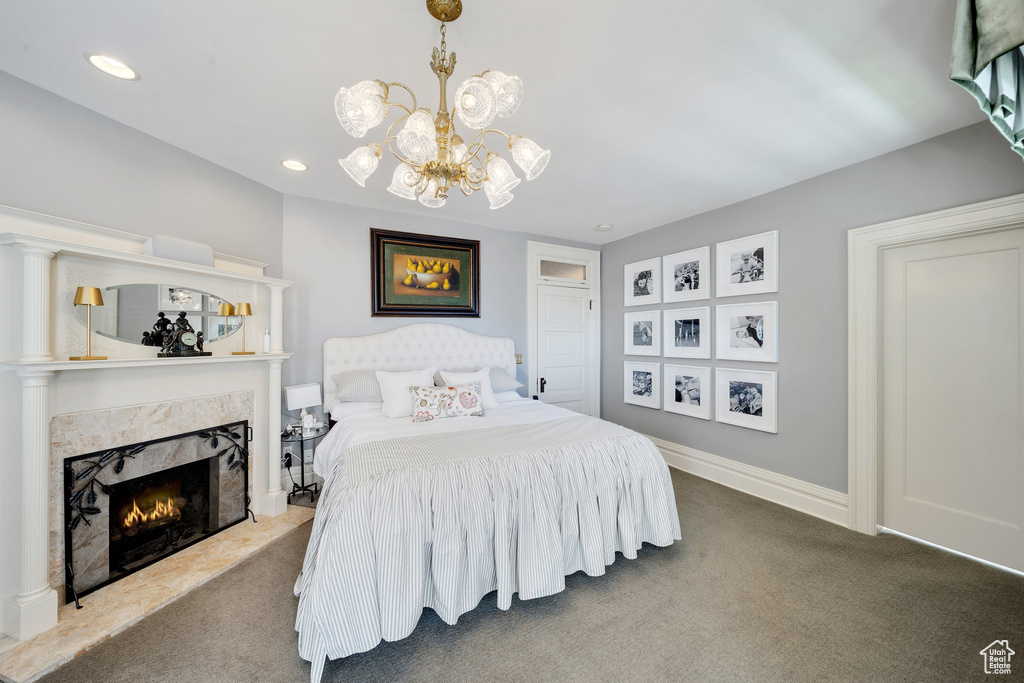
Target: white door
{"points": [[953, 426], [563, 362]]}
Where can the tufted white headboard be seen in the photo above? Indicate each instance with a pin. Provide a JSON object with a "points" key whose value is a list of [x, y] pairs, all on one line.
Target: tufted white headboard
{"points": [[414, 347]]}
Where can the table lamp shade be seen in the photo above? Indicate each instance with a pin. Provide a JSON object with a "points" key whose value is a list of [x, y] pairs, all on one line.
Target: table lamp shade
{"points": [[302, 396], [225, 309], [88, 296], [243, 308]]}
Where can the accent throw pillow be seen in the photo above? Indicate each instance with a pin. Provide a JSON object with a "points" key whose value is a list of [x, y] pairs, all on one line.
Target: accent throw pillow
{"points": [[435, 403], [358, 385], [394, 388], [483, 376]]}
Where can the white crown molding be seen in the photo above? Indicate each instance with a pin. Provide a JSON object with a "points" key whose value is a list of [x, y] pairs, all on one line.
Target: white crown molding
{"points": [[130, 240], [864, 250], [802, 496]]}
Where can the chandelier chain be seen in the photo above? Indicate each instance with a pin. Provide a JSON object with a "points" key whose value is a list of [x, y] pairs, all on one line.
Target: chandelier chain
{"points": [[444, 46]]}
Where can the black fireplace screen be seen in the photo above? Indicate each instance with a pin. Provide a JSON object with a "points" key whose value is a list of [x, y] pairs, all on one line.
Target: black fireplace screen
{"points": [[128, 507]]}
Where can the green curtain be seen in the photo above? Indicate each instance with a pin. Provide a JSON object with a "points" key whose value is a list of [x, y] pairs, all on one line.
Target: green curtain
{"points": [[988, 61]]}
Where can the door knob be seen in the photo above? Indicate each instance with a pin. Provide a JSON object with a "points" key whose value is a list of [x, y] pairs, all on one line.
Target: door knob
{"points": [[542, 383]]}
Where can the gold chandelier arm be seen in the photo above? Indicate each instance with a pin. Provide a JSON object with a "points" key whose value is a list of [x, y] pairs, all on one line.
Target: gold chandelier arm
{"points": [[407, 89]]}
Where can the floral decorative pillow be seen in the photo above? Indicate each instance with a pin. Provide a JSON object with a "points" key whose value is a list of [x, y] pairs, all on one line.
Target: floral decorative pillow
{"points": [[435, 403]]}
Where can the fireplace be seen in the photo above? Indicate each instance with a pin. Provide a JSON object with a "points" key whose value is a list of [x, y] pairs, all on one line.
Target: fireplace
{"points": [[128, 507]]}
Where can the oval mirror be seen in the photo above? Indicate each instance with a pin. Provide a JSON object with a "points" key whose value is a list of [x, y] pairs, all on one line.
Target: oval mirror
{"points": [[130, 311]]}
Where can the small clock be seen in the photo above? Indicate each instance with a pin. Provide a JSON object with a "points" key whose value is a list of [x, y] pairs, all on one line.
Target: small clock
{"points": [[189, 339]]}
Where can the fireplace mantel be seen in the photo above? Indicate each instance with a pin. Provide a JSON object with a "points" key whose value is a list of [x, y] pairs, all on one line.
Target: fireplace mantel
{"points": [[38, 384]]}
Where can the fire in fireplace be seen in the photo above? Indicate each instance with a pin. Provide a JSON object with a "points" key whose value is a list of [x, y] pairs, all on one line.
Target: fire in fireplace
{"points": [[129, 507]]}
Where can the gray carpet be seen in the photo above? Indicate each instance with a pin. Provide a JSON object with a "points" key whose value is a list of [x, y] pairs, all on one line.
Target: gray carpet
{"points": [[753, 592]]}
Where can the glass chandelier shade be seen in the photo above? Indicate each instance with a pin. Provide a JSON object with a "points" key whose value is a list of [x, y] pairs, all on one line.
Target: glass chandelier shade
{"points": [[433, 158], [361, 107], [429, 197], [507, 89], [501, 176], [360, 164], [403, 183], [476, 103], [417, 140], [530, 157]]}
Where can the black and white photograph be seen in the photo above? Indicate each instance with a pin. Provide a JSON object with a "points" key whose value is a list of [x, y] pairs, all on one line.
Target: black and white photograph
{"points": [[747, 398], [642, 282], [748, 332], [688, 390], [686, 275], [688, 333], [642, 384], [749, 265], [643, 333]]}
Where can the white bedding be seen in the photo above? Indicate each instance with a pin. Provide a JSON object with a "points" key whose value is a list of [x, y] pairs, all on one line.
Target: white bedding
{"points": [[438, 514], [359, 423]]}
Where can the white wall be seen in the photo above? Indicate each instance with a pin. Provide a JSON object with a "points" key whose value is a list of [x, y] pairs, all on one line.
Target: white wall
{"points": [[327, 254], [968, 165], [68, 161]]}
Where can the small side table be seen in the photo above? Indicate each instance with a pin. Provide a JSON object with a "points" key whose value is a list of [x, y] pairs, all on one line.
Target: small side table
{"points": [[298, 437]]}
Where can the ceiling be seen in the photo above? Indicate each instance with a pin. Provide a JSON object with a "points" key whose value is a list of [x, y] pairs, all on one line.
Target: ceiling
{"points": [[654, 110]]}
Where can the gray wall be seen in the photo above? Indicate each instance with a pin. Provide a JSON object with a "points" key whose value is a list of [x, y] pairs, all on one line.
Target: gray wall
{"points": [[968, 165], [327, 254], [65, 160]]}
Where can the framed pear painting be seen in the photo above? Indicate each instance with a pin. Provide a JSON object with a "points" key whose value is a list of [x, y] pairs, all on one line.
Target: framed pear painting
{"points": [[424, 275]]}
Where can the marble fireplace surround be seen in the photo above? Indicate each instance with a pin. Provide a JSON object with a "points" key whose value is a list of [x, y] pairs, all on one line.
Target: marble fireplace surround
{"points": [[74, 434]]}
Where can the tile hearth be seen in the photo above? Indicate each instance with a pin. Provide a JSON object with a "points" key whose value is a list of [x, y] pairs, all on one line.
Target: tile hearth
{"points": [[113, 608]]}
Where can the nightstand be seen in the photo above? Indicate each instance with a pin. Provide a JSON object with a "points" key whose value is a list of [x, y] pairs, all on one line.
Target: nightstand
{"points": [[301, 439]]}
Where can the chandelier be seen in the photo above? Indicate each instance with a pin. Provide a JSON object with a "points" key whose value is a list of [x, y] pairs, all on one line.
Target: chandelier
{"points": [[432, 157]]}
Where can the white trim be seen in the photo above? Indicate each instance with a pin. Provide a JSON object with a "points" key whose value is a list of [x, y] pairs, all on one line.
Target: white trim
{"points": [[865, 247], [802, 496], [54, 227], [885, 530], [535, 251]]}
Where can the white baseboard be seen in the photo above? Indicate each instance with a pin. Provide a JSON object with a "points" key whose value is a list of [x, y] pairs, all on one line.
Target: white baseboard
{"points": [[818, 501]]}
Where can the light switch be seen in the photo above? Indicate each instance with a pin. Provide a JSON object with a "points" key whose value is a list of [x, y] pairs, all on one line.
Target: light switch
{"points": [[519, 359]]}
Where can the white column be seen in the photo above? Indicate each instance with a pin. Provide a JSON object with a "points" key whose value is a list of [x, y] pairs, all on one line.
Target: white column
{"points": [[274, 501], [276, 319], [34, 608], [35, 324]]}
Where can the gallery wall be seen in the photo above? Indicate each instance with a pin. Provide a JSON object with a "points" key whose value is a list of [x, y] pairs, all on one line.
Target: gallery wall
{"points": [[64, 160], [968, 165], [327, 254]]}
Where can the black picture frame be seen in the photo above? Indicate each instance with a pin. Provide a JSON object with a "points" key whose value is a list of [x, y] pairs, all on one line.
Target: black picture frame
{"points": [[398, 291]]}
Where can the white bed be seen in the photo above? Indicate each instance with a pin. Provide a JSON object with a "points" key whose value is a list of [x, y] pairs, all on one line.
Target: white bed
{"points": [[438, 514]]}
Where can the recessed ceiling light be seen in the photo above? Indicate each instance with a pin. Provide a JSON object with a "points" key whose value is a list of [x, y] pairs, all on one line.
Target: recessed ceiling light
{"points": [[114, 67], [604, 227], [293, 165]]}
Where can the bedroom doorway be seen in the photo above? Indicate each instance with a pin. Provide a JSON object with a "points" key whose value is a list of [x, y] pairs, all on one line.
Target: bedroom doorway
{"points": [[563, 320]]}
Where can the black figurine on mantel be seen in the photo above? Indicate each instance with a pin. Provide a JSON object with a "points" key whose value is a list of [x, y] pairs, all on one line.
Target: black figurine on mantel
{"points": [[180, 340]]}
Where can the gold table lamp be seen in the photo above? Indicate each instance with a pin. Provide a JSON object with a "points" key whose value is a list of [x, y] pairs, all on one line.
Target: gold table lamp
{"points": [[243, 309], [88, 296]]}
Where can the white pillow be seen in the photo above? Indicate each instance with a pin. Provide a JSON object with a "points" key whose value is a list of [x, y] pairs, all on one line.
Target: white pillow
{"points": [[502, 381], [394, 387], [483, 375]]}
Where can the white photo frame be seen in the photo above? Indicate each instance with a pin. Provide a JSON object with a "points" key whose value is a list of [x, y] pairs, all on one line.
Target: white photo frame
{"points": [[642, 282], [687, 390], [747, 398], [687, 333], [748, 332], [642, 333], [641, 384], [749, 265], [686, 276]]}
